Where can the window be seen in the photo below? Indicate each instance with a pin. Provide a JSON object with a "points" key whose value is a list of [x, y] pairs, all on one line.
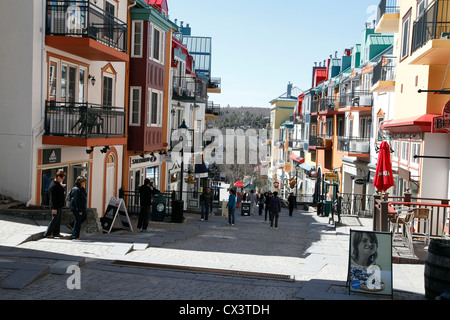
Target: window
{"points": [[404, 151], [156, 42], [395, 145], [136, 39], [415, 150], [135, 106], [421, 7], [108, 90], [154, 112], [110, 10], [66, 81], [405, 36], [379, 134]]}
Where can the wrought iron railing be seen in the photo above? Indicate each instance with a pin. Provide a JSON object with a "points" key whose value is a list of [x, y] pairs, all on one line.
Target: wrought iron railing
{"points": [[189, 88], [387, 7], [327, 104], [83, 120], [85, 19], [434, 23], [354, 145], [384, 70], [356, 98], [212, 108]]}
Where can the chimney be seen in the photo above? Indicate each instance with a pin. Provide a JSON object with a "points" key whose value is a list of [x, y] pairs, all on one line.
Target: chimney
{"points": [[289, 89]]}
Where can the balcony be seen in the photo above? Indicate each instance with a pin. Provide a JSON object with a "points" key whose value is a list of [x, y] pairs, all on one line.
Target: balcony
{"points": [[326, 104], [212, 111], [383, 79], [356, 100], [320, 142], [87, 31], [214, 85], [354, 147], [431, 35], [189, 89], [388, 17], [83, 124]]}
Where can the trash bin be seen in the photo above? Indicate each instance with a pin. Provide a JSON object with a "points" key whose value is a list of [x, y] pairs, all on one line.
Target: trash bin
{"points": [[159, 207], [327, 207], [177, 211], [245, 210]]}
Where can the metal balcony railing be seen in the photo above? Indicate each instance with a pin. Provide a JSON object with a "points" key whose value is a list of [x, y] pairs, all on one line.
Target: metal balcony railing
{"points": [[83, 120], [434, 23], [189, 88], [387, 7], [354, 145], [214, 83], [384, 70], [85, 19], [326, 104], [213, 109], [356, 98]]}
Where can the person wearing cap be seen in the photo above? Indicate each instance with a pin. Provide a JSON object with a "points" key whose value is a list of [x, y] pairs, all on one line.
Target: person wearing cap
{"points": [[145, 196]]}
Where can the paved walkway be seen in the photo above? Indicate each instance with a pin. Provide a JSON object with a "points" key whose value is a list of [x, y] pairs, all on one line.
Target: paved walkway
{"points": [[305, 259]]}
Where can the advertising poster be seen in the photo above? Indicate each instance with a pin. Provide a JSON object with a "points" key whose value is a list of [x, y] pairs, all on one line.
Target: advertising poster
{"points": [[370, 262]]}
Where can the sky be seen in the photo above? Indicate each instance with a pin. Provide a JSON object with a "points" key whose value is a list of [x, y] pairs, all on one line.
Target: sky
{"points": [[259, 46]]}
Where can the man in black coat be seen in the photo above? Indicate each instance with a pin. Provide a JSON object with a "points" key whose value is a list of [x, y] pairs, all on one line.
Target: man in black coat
{"points": [[145, 195], [291, 201], [57, 202]]}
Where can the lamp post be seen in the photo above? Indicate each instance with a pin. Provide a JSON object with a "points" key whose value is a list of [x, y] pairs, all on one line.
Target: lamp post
{"points": [[183, 130]]}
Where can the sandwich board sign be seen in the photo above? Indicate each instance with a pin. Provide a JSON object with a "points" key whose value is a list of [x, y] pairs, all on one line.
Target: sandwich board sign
{"points": [[116, 208]]}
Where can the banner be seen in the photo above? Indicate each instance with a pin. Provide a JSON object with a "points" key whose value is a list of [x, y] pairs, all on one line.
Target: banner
{"points": [[370, 262]]}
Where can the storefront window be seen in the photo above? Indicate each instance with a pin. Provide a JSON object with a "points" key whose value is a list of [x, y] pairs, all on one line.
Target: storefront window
{"points": [[152, 173]]}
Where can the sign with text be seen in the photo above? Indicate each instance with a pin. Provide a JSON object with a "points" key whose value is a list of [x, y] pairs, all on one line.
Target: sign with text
{"points": [[370, 262], [441, 124], [116, 208], [50, 156]]}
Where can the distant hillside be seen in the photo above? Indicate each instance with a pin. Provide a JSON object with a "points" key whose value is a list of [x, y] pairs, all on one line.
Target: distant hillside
{"points": [[245, 117]]}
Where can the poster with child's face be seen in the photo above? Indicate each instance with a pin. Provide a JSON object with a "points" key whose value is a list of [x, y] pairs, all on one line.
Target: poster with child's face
{"points": [[370, 262]]}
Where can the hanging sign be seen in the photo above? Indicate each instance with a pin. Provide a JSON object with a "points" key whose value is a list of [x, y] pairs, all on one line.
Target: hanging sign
{"points": [[116, 208], [441, 124], [370, 262], [331, 176]]}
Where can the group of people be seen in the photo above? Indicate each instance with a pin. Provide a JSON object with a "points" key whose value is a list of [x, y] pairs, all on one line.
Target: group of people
{"points": [[78, 205], [269, 200]]}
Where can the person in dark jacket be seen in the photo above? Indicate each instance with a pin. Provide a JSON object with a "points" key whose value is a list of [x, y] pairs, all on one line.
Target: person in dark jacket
{"points": [[207, 202], [145, 195], [78, 205], [57, 202], [261, 203], [275, 208], [267, 196], [291, 202]]}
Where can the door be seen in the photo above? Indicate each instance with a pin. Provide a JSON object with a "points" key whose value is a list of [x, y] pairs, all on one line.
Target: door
{"points": [[110, 184]]}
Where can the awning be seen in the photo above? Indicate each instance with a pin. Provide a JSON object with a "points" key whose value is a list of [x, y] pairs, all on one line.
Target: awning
{"points": [[297, 158], [201, 171], [417, 124]]}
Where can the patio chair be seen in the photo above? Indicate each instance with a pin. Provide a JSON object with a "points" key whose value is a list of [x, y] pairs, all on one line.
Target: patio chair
{"points": [[404, 219], [424, 215]]}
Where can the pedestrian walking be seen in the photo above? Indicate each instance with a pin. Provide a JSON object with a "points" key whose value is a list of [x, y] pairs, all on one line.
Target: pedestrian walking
{"points": [[145, 197], [207, 202], [268, 196], [275, 208], [337, 206], [231, 207], [291, 203], [57, 202], [261, 203], [252, 198], [78, 205]]}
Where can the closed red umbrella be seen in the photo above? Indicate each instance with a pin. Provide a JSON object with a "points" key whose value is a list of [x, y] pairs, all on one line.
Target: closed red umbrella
{"points": [[384, 178]]}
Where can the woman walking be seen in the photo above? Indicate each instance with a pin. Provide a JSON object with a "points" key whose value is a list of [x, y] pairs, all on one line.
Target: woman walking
{"points": [[78, 205]]}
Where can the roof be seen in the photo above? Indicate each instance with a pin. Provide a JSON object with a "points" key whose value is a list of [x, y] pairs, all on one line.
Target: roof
{"points": [[160, 3], [295, 92]]}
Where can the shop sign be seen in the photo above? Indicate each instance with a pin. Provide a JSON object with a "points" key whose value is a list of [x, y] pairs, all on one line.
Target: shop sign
{"points": [[331, 176], [313, 175], [360, 181], [370, 262], [137, 162], [116, 208], [441, 124], [50, 156]]}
